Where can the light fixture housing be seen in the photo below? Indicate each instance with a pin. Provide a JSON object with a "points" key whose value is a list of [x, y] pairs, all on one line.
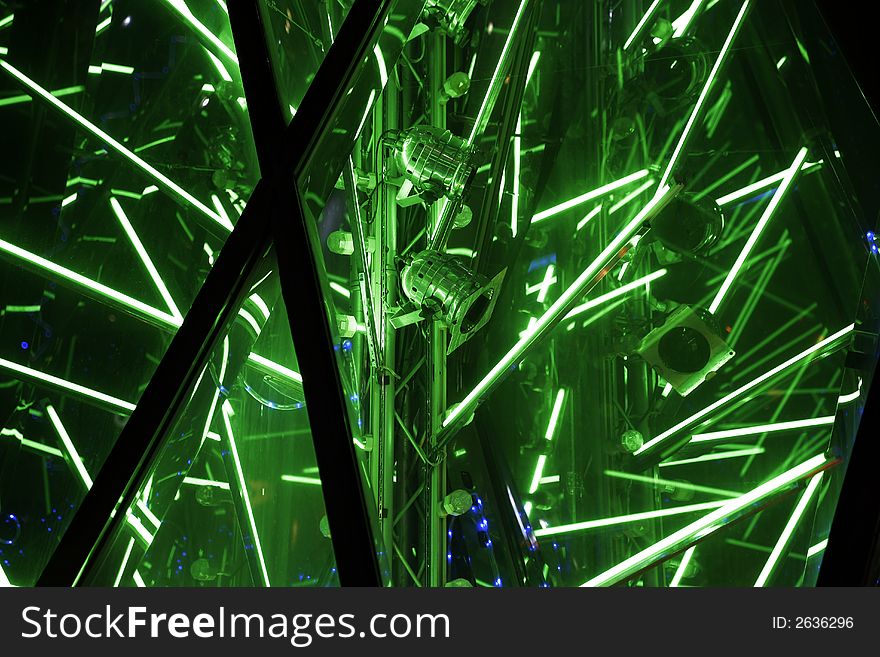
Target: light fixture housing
{"points": [[687, 349], [434, 162], [440, 285]]}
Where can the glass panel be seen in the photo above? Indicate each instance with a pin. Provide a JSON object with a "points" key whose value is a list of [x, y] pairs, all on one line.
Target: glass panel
{"points": [[235, 496], [128, 158], [609, 312]]}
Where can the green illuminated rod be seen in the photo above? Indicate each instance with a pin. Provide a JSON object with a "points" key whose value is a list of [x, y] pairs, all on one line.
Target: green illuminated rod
{"points": [[630, 517], [102, 290], [608, 296], [762, 428], [708, 524], [781, 191], [517, 152], [297, 479], [559, 307], [684, 21], [164, 181], [761, 185], [641, 24], [682, 567], [145, 259], [16, 100], [31, 444], [683, 485], [226, 411], [589, 196], [495, 84], [732, 454], [74, 456], [704, 94], [68, 386], [179, 6], [549, 434], [788, 531], [817, 548], [699, 415]]}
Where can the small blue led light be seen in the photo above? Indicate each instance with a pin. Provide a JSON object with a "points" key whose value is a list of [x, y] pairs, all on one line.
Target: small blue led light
{"points": [[346, 345], [24, 345]]}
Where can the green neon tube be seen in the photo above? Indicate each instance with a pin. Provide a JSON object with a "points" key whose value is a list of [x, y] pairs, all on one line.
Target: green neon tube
{"points": [[31, 444], [723, 179], [163, 180], [549, 434], [817, 548], [590, 215], [179, 6], [125, 558], [682, 567], [783, 189], [732, 454], [196, 481], [145, 259], [683, 22], [75, 459], [763, 428], [706, 525], [641, 24], [589, 196], [65, 385], [630, 517], [608, 296], [699, 415], [788, 531], [544, 322], [704, 94], [297, 479], [671, 482], [631, 196], [226, 411], [549, 279], [99, 288], [761, 185], [517, 153]]}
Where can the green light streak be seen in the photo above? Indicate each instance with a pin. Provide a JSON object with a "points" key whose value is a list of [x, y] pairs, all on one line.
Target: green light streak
{"points": [[784, 186], [145, 259], [589, 196], [549, 279], [226, 411], [732, 454], [763, 428], [706, 525], [495, 84], [590, 215], [788, 531], [72, 454], [631, 196], [65, 385], [157, 142], [297, 479], [179, 6], [683, 22], [125, 558], [221, 69], [641, 24], [682, 567], [163, 180], [24, 98], [549, 434], [117, 68], [383, 72], [608, 296], [704, 94], [7, 21], [728, 176], [31, 444], [544, 322], [817, 548], [781, 62], [67, 201], [630, 517], [195, 481], [683, 485], [98, 288], [699, 415], [761, 185], [103, 25]]}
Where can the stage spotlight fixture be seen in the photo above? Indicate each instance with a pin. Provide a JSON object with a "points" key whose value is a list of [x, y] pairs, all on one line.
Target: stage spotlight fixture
{"points": [[438, 284], [688, 226], [687, 349], [456, 503], [434, 162]]}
